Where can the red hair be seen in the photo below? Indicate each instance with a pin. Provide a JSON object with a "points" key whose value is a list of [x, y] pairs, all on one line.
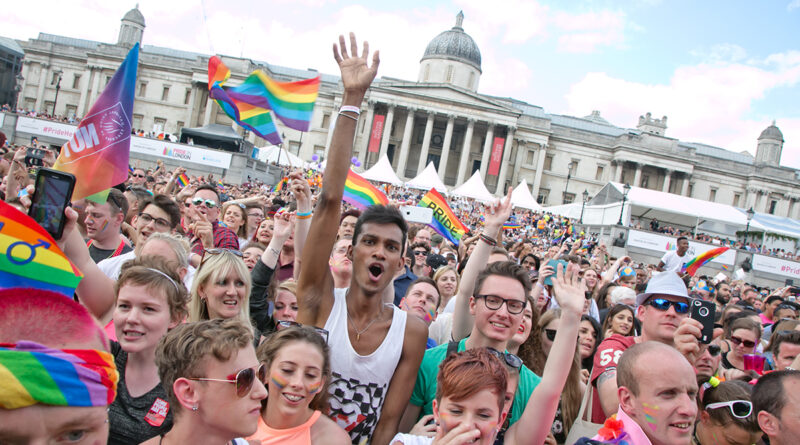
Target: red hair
{"points": [[467, 373]]}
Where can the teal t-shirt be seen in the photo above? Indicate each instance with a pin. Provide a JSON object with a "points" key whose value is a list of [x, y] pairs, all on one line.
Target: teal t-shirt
{"points": [[425, 388]]}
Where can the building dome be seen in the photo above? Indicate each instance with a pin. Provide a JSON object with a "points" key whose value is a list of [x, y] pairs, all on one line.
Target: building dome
{"points": [[771, 132], [135, 16], [454, 44]]}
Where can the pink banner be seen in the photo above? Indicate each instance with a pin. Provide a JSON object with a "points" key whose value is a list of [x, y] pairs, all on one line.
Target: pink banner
{"points": [[377, 132], [497, 156]]}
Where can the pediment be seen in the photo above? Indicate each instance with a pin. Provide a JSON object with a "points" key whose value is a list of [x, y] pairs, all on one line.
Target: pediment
{"points": [[447, 94]]}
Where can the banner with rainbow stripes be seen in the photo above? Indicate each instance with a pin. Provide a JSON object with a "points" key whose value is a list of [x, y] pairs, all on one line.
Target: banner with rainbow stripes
{"points": [[360, 193], [444, 222]]}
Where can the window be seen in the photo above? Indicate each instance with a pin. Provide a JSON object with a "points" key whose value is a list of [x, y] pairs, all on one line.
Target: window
{"points": [[471, 82], [772, 206], [598, 176], [294, 147], [56, 75], [736, 198], [690, 190], [108, 79], [159, 123], [645, 181], [449, 77], [542, 198], [548, 162], [569, 198], [187, 96], [427, 73], [137, 121], [71, 110], [76, 81], [319, 150], [529, 157], [179, 126], [326, 120], [165, 93], [142, 89], [712, 195]]}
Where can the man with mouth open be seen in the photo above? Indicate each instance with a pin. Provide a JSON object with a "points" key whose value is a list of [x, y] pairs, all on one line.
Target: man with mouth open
{"points": [[375, 348]]}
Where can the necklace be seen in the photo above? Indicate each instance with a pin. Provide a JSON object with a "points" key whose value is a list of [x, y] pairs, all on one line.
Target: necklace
{"points": [[358, 333]]}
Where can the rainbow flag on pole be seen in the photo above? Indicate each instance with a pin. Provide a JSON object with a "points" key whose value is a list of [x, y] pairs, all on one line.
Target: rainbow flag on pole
{"points": [[99, 151], [281, 184], [701, 260], [29, 256], [183, 180], [510, 224], [360, 193], [249, 104], [444, 222]]}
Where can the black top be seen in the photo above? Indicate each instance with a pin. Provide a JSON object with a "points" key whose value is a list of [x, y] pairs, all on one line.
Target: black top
{"points": [[102, 254], [134, 420], [259, 298]]}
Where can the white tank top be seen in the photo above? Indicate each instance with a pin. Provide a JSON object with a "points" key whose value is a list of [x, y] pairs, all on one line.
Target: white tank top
{"points": [[359, 382]]}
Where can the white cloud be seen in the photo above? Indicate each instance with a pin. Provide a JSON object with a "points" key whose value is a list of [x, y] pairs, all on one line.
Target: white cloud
{"points": [[723, 52], [584, 33], [516, 20], [794, 4]]}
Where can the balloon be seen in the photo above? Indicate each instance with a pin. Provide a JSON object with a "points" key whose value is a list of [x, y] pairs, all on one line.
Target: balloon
{"points": [[358, 163], [315, 157], [354, 161]]}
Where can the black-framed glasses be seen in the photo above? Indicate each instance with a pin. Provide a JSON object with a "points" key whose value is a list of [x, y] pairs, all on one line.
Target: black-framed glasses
{"points": [[494, 303], [507, 357], [284, 324], [550, 334], [208, 202], [243, 379], [662, 304], [218, 251], [740, 341], [740, 409], [160, 222]]}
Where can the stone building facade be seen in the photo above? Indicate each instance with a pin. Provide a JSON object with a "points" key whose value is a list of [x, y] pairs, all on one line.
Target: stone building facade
{"points": [[441, 118]]}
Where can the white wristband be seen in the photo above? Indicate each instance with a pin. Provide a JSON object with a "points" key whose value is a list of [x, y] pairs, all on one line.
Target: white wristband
{"points": [[350, 108]]}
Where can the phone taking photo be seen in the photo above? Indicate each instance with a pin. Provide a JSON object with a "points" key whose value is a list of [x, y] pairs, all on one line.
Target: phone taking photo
{"points": [[554, 264], [704, 311], [52, 195]]}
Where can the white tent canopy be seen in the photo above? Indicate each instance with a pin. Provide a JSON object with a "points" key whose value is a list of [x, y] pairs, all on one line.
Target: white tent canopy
{"points": [[474, 188], [382, 171], [521, 197], [279, 156], [427, 180]]}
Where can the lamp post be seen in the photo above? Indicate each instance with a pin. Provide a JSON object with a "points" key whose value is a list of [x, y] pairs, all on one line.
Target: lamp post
{"points": [[626, 188], [583, 206], [60, 74], [569, 175], [18, 79], [750, 214]]}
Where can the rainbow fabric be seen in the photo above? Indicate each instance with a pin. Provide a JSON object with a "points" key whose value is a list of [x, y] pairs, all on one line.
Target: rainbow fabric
{"points": [[249, 104], [183, 180], [510, 224], [31, 373], [701, 260], [281, 184], [360, 193], [444, 221], [29, 256], [220, 184], [99, 151]]}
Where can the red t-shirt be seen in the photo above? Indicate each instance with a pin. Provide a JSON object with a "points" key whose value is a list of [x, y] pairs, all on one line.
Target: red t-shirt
{"points": [[606, 357]]}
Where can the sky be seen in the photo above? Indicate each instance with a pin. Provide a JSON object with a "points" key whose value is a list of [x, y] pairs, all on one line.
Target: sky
{"points": [[721, 71]]}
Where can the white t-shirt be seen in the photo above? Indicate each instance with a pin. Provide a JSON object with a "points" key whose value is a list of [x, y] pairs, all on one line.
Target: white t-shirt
{"points": [[112, 267], [410, 439], [673, 262]]}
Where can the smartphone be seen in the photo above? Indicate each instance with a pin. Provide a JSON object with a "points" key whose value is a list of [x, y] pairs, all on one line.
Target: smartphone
{"points": [[703, 311], [34, 157], [422, 215], [51, 196], [554, 264]]}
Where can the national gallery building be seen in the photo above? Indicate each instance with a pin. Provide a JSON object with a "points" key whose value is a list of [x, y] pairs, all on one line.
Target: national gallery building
{"points": [[440, 117]]}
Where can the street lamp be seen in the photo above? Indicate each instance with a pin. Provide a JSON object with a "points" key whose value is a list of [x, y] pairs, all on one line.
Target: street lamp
{"points": [[60, 74], [17, 90], [585, 198], [626, 188], [569, 175], [750, 214]]}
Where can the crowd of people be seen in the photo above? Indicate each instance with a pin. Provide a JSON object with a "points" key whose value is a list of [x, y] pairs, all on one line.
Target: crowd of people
{"points": [[213, 313]]}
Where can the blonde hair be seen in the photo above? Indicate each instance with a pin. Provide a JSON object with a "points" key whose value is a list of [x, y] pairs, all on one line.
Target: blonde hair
{"points": [[157, 275], [177, 244], [213, 268], [441, 271]]}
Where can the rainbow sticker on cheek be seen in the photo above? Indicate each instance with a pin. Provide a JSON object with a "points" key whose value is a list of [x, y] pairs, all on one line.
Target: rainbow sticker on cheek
{"points": [[279, 381], [430, 315], [649, 410], [314, 387]]}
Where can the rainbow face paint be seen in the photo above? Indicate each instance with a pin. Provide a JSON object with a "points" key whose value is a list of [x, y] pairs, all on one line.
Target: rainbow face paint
{"points": [[314, 387], [278, 380], [430, 316], [649, 410]]}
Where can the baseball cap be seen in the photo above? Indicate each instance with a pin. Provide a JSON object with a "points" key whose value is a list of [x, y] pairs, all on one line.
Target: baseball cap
{"points": [[664, 283], [435, 261]]}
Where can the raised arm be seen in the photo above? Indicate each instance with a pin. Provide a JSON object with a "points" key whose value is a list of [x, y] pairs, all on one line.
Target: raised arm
{"points": [[496, 214], [315, 284], [263, 271], [302, 194], [535, 422]]}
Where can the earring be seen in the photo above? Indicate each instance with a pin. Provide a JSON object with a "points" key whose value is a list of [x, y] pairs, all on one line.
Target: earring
{"points": [[194, 408]]}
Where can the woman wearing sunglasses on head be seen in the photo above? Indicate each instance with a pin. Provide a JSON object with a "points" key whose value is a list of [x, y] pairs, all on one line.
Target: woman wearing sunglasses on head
{"points": [[213, 382], [726, 414], [745, 334], [296, 359]]}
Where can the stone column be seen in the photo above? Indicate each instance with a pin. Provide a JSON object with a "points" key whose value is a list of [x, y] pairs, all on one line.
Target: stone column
{"points": [[537, 178], [95, 91], [426, 143], [209, 111], [192, 100], [44, 77], [448, 137], [620, 168], [26, 73], [667, 178], [638, 176], [685, 185], [487, 150], [387, 131], [465, 152], [87, 78], [406, 143], [501, 179], [521, 150], [366, 132]]}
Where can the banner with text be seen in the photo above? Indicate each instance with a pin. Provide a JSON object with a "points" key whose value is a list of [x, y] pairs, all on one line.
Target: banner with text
{"points": [[497, 156], [663, 244], [776, 266], [376, 133]]}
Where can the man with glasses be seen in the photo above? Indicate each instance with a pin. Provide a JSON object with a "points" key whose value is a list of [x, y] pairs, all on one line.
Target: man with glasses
{"points": [[138, 177], [204, 224], [419, 252], [103, 223], [776, 401]]}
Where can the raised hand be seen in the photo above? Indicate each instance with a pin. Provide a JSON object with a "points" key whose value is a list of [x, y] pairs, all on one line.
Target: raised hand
{"points": [[283, 226], [498, 212], [356, 75], [568, 289], [300, 189]]}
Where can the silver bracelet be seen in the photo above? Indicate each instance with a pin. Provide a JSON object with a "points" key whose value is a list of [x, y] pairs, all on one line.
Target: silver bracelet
{"points": [[350, 108], [348, 116]]}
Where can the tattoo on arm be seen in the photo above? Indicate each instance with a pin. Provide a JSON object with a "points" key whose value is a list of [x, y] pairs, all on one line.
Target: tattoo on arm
{"points": [[606, 375]]}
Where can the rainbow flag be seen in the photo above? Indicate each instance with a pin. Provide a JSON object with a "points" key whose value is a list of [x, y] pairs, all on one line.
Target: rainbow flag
{"points": [[360, 193], [281, 184], [29, 256], [726, 267], [701, 260], [182, 180], [510, 224], [99, 151], [220, 184], [444, 221], [249, 104]]}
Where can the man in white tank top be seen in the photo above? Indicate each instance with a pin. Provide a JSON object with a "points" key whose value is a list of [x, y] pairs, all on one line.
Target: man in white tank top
{"points": [[375, 349]]}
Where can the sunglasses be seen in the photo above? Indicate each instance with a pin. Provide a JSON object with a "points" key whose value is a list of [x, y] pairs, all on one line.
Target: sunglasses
{"points": [[494, 303], [286, 324], [739, 341], [420, 252], [714, 350], [662, 304], [137, 175], [243, 379], [740, 409], [507, 357], [208, 202], [550, 334], [187, 204]]}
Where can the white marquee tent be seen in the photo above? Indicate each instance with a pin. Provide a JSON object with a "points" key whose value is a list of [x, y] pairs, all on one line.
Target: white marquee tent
{"points": [[427, 180], [521, 197], [382, 171], [279, 156], [474, 188]]}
